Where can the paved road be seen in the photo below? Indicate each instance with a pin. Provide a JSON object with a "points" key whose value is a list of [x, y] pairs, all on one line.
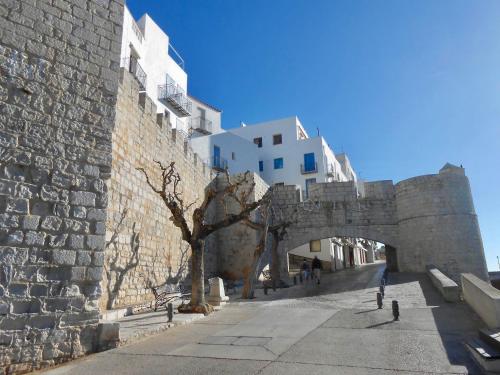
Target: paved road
{"points": [[334, 328]]}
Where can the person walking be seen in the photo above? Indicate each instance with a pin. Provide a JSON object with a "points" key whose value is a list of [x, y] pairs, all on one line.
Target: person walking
{"points": [[316, 268], [305, 270]]}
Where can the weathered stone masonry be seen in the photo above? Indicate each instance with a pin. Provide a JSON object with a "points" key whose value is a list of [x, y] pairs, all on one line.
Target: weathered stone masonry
{"points": [[430, 220], [58, 84], [146, 248]]}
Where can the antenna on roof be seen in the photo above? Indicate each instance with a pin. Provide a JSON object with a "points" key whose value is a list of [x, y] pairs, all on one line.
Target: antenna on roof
{"points": [[317, 129]]}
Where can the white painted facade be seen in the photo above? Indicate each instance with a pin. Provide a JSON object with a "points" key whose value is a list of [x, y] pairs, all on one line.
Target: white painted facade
{"points": [[295, 144], [236, 153], [283, 162], [204, 118], [148, 53]]}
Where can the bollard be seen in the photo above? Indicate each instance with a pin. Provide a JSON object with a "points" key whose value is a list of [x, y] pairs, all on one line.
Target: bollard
{"points": [[265, 289], [170, 311], [295, 280], [395, 310], [382, 281], [274, 285], [379, 300], [382, 290]]}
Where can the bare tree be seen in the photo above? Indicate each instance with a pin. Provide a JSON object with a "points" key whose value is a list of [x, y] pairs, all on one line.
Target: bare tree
{"points": [[260, 224], [169, 191], [272, 226]]}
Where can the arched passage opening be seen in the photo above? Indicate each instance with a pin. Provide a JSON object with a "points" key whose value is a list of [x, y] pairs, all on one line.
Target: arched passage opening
{"points": [[339, 248]]}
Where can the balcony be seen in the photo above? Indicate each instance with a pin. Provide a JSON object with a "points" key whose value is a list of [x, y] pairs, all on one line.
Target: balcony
{"points": [[201, 125], [217, 163], [132, 65], [174, 97], [307, 169]]}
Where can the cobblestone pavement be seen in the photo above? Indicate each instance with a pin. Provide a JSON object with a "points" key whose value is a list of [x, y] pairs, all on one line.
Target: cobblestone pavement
{"points": [[332, 328]]}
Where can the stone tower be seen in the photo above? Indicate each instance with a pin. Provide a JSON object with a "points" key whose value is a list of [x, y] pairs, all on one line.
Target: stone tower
{"points": [[438, 224]]}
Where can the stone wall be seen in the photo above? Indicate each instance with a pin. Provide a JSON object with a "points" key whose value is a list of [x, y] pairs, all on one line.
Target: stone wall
{"points": [[58, 84], [142, 244], [438, 225], [427, 220], [236, 244]]}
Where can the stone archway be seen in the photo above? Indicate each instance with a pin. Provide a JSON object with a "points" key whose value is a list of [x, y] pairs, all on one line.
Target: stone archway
{"points": [[430, 220]]}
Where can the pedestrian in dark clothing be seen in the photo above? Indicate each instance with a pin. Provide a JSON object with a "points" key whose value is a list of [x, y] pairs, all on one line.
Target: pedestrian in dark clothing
{"points": [[316, 267]]}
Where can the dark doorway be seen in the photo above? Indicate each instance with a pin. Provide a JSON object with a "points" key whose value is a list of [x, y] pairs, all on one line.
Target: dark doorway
{"points": [[391, 258]]}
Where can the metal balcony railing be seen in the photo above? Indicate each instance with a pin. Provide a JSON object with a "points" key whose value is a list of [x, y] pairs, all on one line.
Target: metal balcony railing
{"points": [[201, 125], [133, 66], [176, 56], [218, 163], [174, 97], [309, 168]]}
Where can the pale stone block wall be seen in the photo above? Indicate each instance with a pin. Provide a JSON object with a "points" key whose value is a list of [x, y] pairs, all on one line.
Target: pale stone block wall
{"points": [[438, 225], [58, 84], [483, 298], [142, 244], [236, 244]]}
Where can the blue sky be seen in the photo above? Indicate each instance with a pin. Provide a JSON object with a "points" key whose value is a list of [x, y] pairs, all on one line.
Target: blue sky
{"points": [[402, 86]]}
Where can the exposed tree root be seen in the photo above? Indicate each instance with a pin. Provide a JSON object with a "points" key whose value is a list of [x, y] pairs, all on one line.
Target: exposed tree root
{"points": [[204, 309]]}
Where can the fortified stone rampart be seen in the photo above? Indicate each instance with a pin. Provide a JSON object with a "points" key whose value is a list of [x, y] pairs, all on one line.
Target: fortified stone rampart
{"points": [[142, 245], [438, 225], [236, 244], [427, 219], [58, 84]]}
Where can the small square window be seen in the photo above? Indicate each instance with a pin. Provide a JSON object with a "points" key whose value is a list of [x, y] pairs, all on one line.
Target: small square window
{"points": [[277, 139], [315, 246], [258, 141], [261, 166], [278, 163]]}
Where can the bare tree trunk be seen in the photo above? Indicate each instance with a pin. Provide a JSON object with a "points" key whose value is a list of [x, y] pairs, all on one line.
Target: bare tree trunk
{"points": [[275, 259], [197, 274], [250, 276]]}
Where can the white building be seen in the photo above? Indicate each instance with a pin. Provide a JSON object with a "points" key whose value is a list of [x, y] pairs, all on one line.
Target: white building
{"points": [[281, 150], [283, 153], [147, 52]]}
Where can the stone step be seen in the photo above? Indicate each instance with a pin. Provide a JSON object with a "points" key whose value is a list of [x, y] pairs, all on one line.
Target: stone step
{"points": [[485, 355], [490, 336]]}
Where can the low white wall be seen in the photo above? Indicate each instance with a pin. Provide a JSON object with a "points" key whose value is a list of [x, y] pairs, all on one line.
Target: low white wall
{"points": [[446, 286], [483, 298]]}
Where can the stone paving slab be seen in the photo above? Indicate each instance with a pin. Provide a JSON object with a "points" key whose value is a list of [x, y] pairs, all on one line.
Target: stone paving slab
{"points": [[257, 353], [282, 368], [135, 327], [130, 364], [440, 320], [377, 348]]}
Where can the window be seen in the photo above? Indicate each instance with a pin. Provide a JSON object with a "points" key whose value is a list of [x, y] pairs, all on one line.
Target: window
{"points": [[258, 141], [309, 162], [309, 181], [261, 166], [315, 246], [278, 163], [277, 139], [233, 156]]}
